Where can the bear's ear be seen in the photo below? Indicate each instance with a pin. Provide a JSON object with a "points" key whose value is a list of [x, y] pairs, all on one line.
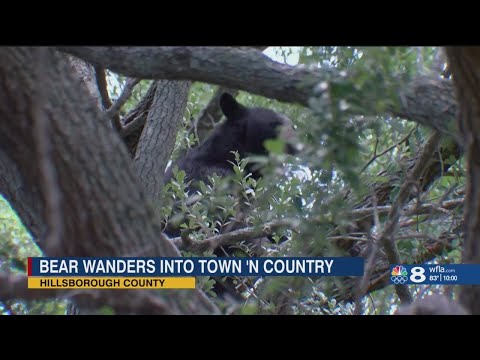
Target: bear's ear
{"points": [[230, 107]]}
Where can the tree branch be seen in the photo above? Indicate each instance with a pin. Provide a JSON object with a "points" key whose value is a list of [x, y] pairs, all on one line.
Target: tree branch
{"points": [[417, 209], [101, 78], [236, 236], [387, 238], [218, 65], [250, 70], [376, 156], [134, 124], [134, 120], [124, 96]]}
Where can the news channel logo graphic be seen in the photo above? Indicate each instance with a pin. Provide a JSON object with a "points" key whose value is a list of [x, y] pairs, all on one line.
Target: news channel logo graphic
{"points": [[402, 275]]}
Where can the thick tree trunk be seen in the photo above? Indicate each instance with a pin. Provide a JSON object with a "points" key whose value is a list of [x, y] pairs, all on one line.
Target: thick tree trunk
{"points": [[103, 209], [159, 134], [465, 66]]}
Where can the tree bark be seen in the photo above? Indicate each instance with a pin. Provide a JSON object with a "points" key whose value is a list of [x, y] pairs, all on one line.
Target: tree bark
{"points": [[250, 70], [159, 134], [86, 72], [104, 209], [26, 201], [465, 66], [134, 121], [241, 68]]}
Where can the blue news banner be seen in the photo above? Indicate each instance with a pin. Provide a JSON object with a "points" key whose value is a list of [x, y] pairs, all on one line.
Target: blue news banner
{"points": [[195, 266], [436, 274]]}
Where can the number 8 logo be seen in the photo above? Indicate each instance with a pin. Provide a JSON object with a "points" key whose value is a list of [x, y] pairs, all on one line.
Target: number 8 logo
{"points": [[417, 275]]}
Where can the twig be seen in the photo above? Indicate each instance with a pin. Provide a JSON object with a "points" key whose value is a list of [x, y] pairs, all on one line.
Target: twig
{"points": [[237, 235], [135, 124], [440, 208], [387, 239], [416, 235], [48, 174], [101, 79], [124, 96], [376, 156], [347, 238], [102, 85]]}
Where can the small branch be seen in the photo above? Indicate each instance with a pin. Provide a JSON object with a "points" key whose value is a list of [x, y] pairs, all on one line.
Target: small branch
{"points": [[135, 120], [112, 109], [101, 79], [134, 124], [237, 235], [124, 96], [422, 209], [387, 238], [348, 238], [416, 235], [376, 156]]}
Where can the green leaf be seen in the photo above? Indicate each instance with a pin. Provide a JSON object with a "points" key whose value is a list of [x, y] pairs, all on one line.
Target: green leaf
{"points": [[275, 146]]}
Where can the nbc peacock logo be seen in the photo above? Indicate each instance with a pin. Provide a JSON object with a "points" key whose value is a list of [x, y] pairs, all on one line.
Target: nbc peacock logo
{"points": [[399, 275]]}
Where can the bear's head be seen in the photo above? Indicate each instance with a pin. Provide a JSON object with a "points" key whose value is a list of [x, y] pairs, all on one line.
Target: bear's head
{"points": [[249, 128], [245, 130]]}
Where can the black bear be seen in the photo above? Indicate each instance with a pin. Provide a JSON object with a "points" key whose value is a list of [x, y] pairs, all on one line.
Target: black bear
{"points": [[245, 130]]}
